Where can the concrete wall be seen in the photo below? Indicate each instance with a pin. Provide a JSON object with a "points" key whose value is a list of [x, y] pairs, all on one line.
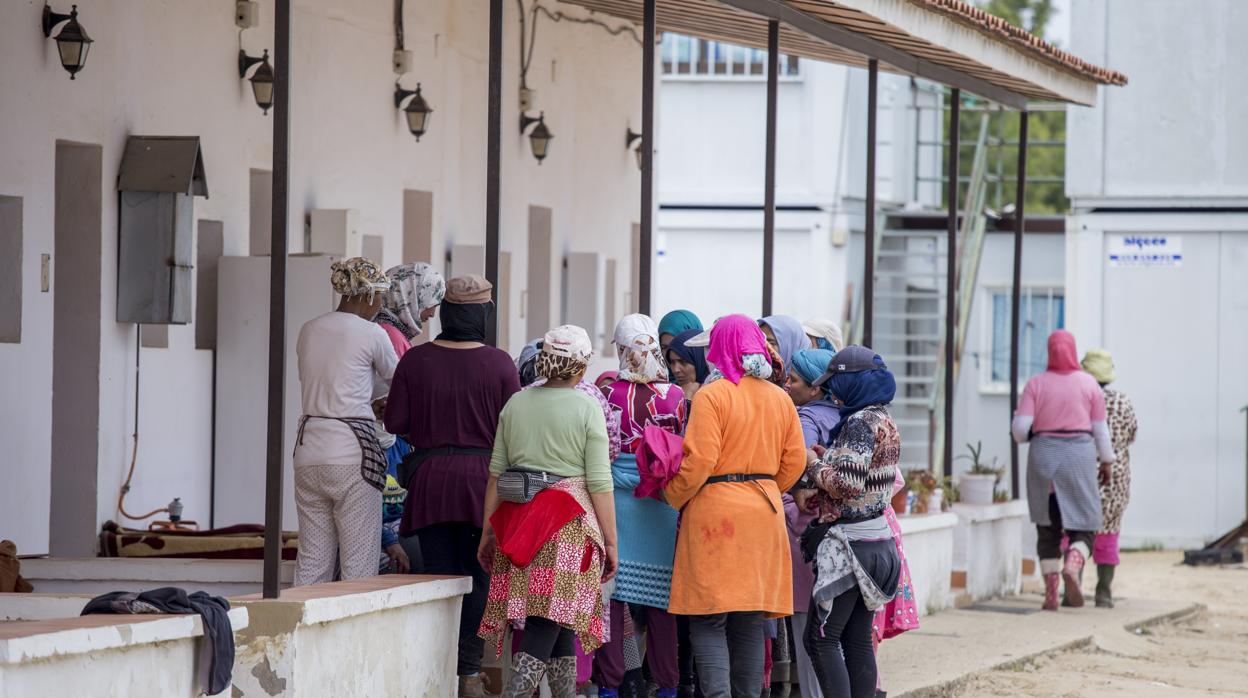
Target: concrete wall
{"points": [[170, 68], [988, 548], [928, 541]]}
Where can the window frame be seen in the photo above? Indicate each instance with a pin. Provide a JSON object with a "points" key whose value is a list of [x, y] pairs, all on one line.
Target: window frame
{"points": [[987, 385], [700, 70]]}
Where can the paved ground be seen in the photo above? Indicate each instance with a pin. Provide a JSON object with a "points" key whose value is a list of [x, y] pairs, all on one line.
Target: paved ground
{"points": [[1194, 641]]}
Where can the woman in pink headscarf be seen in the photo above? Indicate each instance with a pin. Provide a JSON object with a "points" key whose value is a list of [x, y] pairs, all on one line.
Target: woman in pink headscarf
{"points": [[1062, 415]]}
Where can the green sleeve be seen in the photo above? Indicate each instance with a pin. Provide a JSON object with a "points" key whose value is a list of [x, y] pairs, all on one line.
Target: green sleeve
{"points": [[499, 459], [597, 464]]}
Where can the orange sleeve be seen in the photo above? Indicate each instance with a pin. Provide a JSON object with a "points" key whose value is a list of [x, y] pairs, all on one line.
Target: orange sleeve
{"points": [[793, 453], [701, 450]]}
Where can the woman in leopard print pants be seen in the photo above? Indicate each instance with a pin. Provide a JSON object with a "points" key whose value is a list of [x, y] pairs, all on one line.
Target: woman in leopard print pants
{"points": [[1117, 492]]}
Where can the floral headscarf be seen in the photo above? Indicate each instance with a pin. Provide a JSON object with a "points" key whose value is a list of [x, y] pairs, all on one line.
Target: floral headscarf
{"points": [[357, 277], [413, 289], [637, 343], [566, 351]]}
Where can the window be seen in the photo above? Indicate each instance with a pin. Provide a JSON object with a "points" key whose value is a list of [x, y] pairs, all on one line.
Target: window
{"points": [[702, 58], [1043, 310]]}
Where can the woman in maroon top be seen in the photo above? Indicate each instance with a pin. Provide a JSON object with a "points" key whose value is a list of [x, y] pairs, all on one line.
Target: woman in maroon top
{"points": [[445, 400]]}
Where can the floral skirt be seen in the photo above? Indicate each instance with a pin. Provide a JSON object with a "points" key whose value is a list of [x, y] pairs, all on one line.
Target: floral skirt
{"points": [[562, 583], [900, 614]]}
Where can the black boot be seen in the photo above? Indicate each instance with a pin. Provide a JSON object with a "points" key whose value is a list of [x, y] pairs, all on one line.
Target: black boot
{"points": [[1104, 580]]}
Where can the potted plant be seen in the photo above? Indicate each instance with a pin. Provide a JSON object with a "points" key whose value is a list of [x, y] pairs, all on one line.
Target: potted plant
{"points": [[927, 489], [977, 485]]}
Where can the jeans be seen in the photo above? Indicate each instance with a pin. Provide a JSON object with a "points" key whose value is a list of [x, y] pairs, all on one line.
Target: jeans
{"points": [[841, 648], [545, 639], [1049, 538], [451, 548], [728, 648], [661, 650]]}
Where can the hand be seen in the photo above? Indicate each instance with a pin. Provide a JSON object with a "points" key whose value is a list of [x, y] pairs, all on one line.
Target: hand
{"points": [[379, 408], [485, 551], [610, 562], [803, 499], [1106, 473], [819, 450], [398, 558]]}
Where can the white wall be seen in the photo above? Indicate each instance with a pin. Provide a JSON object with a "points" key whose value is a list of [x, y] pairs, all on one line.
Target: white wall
{"points": [[160, 68]]}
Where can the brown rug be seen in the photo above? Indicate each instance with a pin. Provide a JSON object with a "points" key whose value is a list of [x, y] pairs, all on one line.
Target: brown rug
{"points": [[240, 542]]}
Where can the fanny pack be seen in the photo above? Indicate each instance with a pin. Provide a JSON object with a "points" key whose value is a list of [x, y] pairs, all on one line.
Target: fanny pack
{"points": [[411, 462], [521, 486]]}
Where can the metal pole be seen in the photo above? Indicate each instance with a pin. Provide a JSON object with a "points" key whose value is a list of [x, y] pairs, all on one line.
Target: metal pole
{"points": [[277, 303], [493, 149], [951, 275], [769, 168], [1017, 296], [646, 236], [868, 272]]}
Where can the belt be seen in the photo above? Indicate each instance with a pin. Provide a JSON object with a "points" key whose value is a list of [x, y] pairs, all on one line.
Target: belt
{"points": [[738, 477], [411, 462]]}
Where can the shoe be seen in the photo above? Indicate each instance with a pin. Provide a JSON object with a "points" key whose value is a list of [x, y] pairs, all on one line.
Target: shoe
{"points": [[1104, 580], [1051, 583], [526, 674], [561, 677], [1072, 576], [471, 687]]}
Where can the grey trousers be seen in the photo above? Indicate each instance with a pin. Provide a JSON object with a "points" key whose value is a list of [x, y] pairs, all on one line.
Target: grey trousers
{"points": [[728, 648]]}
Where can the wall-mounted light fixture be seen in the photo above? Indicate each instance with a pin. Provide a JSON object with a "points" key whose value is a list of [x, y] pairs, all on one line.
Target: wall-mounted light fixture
{"points": [[417, 111], [261, 80], [539, 137], [631, 137], [72, 41]]}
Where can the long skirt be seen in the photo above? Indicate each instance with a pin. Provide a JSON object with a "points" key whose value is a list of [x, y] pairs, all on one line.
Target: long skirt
{"points": [[1066, 466]]}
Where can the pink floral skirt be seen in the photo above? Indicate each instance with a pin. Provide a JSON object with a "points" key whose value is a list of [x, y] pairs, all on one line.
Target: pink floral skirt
{"points": [[900, 614]]}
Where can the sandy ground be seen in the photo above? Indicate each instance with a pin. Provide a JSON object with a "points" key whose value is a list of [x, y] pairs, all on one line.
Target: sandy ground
{"points": [[1203, 654]]}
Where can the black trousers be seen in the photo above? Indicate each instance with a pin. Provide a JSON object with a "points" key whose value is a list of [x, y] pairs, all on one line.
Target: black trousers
{"points": [[1049, 538], [840, 649], [545, 639], [451, 548]]}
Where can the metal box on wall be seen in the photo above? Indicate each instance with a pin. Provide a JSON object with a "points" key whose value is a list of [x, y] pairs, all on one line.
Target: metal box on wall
{"points": [[157, 183]]}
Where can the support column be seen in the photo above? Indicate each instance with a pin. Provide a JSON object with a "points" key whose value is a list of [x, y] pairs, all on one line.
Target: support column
{"points": [[493, 144], [951, 276], [645, 251], [868, 271], [769, 168], [1017, 297], [276, 449]]}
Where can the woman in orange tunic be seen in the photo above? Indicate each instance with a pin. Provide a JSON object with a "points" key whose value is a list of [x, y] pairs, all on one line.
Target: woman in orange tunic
{"points": [[743, 447]]}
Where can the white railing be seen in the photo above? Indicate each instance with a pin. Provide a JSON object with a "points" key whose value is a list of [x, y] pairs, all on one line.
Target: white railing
{"points": [[687, 57]]}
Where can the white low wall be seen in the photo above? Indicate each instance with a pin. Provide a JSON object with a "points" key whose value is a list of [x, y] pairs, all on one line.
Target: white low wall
{"points": [[100, 655], [987, 546], [99, 575], [928, 542], [395, 635]]}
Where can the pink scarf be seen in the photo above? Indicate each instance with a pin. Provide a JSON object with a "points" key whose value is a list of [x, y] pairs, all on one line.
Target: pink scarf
{"points": [[733, 337]]}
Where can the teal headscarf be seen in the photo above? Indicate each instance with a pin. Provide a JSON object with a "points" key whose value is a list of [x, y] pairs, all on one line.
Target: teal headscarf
{"points": [[679, 321], [810, 364]]}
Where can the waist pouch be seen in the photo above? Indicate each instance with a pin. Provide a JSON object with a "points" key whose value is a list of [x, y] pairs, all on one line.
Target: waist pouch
{"points": [[521, 486]]}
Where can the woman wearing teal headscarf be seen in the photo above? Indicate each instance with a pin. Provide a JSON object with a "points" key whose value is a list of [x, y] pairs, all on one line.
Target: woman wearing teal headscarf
{"points": [[674, 323]]}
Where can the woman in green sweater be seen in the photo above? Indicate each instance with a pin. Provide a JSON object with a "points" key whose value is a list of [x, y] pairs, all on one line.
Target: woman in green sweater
{"points": [[550, 555]]}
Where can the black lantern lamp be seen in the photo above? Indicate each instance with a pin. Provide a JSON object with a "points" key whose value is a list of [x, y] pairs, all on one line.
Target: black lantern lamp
{"points": [[539, 137], [631, 137], [72, 42], [261, 80], [417, 111]]}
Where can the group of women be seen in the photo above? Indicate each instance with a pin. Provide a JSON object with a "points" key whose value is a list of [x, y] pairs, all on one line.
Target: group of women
{"points": [[723, 491]]}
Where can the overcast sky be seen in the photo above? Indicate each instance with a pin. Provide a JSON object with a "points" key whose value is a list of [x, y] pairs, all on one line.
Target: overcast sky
{"points": [[1059, 26]]}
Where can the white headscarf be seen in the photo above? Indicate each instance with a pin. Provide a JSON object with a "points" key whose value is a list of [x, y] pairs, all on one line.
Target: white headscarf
{"points": [[637, 343], [413, 289], [826, 330], [566, 351]]}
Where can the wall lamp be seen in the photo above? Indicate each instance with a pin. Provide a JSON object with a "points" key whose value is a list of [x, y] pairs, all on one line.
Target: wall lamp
{"points": [[631, 137], [261, 80], [72, 42], [539, 137], [417, 111]]}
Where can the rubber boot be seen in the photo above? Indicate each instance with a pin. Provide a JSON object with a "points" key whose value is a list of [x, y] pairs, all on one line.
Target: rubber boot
{"points": [[526, 674], [1104, 580], [1072, 576], [561, 677], [471, 687], [1051, 583]]}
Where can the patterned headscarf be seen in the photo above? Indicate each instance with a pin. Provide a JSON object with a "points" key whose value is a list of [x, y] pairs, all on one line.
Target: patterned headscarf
{"points": [[637, 343], [738, 348], [413, 289], [827, 334], [566, 351], [357, 277]]}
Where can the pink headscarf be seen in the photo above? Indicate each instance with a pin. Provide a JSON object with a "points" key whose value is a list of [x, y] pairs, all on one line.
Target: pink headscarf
{"points": [[733, 337], [1062, 355]]}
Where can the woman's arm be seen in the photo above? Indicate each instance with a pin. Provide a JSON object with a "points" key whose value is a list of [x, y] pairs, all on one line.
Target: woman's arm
{"points": [[1020, 428], [485, 551], [701, 449], [604, 509], [842, 472]]}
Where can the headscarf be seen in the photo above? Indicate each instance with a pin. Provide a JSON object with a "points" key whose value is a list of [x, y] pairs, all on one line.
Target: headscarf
{"points": [[357, 277], [526, 363], [606, 375], [413, 289], [1062, 355], [738, 348], [692, 355], [856, 386], [466, 309], [679, 321], [566, 351], [810, 364], [1100, 364], [790, 337], [827, 334], [637, 344]]}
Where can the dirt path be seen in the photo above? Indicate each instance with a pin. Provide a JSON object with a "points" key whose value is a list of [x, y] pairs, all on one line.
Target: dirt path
{"points": [[1204, 654]]}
